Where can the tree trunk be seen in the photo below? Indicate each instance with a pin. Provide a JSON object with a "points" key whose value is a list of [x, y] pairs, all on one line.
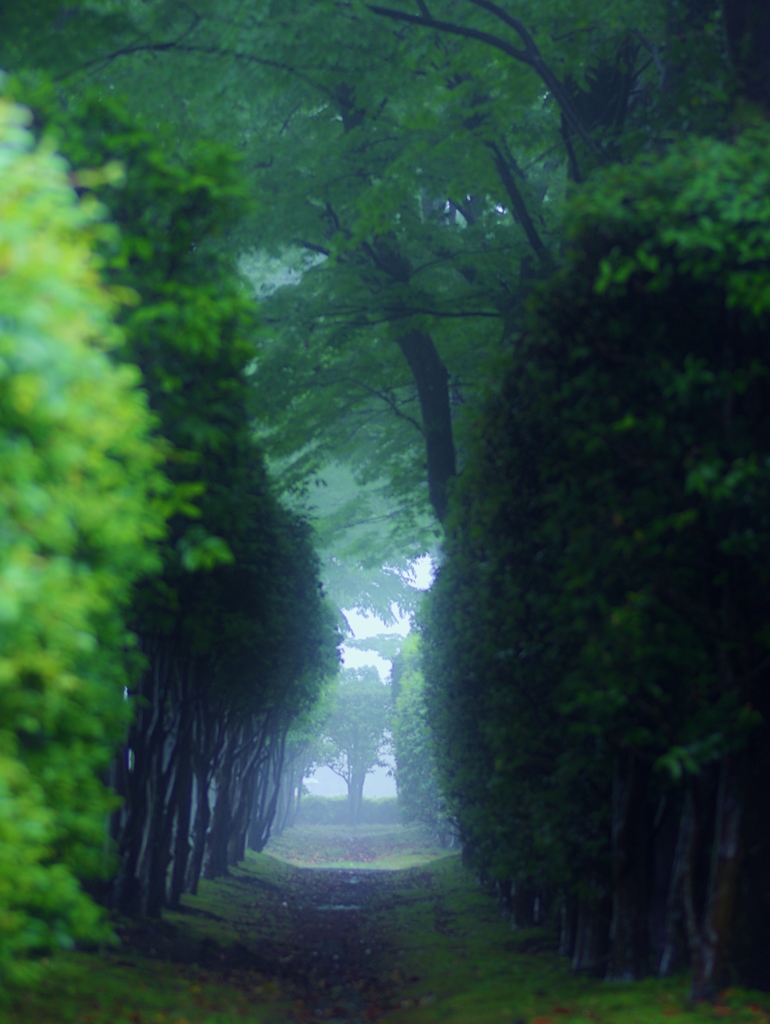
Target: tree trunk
{"points": [[709, 933], [522, 904], [591, 932], [432, 382], [355, 796], [216, 860], [183, 821], [631, 832], [568, 926], [747, 25], [138, 818], [208, 738], [200, 830], [670, 953]]}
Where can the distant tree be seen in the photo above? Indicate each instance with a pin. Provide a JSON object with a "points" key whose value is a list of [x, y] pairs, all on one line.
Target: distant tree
{"points": [[355, 733]]}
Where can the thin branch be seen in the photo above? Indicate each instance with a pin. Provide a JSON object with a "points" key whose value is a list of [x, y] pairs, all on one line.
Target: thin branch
{"points": [[450, 27], [519, 205], [389, 401], [516, 24], [312, 247], [402, 313], [530, 55], [175, 45], [556, 145], [654, 56]]}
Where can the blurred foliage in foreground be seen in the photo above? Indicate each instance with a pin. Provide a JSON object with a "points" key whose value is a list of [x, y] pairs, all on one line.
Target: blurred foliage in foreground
{"points": [[78, 489]]}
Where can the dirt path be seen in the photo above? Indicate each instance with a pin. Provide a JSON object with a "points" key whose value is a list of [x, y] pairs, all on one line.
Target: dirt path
{"points": [[339, 958], [321, 936], [276, 942]]}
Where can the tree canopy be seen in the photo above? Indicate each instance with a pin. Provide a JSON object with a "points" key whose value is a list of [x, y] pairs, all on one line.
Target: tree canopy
{"points": [[512, 275], [355, 731]]}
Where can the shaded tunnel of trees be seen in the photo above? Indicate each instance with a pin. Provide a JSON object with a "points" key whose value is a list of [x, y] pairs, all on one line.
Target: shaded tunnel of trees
{"points": [[510, 265]]}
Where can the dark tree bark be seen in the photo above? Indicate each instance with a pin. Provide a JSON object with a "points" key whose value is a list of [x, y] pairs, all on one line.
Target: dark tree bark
{"points": [[522, 905], [432, 382], [216, 859], [568, 926], [138, 819], [208, 740], [709, 932], [747, 24], [181, 851], [751, 942], [267, 788], [592, 931], [631, 836], [674, 920], [520, 210]]}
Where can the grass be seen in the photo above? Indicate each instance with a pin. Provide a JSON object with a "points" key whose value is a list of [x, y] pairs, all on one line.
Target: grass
{"points": [[472, 969], [187, 969], [364, 847], [425, 945], [96, 989]]}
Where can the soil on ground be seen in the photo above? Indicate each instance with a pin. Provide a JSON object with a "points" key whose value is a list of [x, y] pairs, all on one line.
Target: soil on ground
{"points": [[315, 932], [374, 924]]}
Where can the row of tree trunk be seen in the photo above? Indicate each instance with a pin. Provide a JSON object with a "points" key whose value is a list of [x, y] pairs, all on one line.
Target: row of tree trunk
{"points": [[198, 777], [685, 881]]}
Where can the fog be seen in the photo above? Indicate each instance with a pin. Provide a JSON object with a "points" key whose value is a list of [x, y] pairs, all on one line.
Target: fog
{"points": [[378, 783]]}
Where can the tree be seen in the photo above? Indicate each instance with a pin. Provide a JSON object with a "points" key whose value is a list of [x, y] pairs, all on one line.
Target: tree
{"points": [[234, 632], [355, 733], [599, 621], [419, 796], [82, 513], [402, 313], [417, 173]]}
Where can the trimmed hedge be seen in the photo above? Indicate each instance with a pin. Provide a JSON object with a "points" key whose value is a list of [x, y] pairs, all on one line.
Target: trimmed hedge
{"points": [[333, 810]]}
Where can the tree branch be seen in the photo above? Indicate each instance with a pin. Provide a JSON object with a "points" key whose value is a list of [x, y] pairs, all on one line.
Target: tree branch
{"points": [[519, 205], [530, 55], [312, 247], [389, 401], [450, 27], [248, 58]]}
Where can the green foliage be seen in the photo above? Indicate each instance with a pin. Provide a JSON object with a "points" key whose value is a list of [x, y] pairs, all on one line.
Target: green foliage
{"points": [[81, 485], [354, 733], [383, 150], [240, 576], [330, 810], [604, 590], [419, 795], [354, 526]]}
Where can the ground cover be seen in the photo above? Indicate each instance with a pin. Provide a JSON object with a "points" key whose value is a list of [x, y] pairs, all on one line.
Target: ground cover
{"points": [[278, 942], [376, 847]]}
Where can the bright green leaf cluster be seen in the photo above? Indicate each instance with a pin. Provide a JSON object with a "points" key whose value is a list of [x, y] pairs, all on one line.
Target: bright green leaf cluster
{"points": [[79, 480]]}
